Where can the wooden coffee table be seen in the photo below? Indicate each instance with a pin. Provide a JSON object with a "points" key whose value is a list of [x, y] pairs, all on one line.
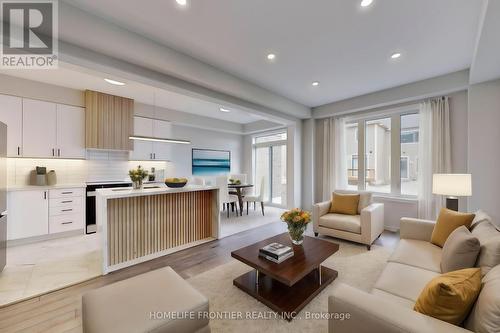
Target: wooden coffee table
{"points": [[286, 287]]}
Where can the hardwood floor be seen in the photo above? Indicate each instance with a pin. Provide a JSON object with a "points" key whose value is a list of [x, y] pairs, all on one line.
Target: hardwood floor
{"points": [[60, 311]]}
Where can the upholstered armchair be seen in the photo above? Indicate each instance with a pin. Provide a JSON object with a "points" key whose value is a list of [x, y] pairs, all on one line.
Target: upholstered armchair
{"points": [[364, 228]]}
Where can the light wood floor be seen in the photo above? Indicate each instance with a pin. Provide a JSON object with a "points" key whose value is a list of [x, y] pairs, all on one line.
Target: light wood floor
{"points": [[60, 311]]}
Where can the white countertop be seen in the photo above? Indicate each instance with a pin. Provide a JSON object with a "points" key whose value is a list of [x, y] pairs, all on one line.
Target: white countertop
{"points": [[45, 187], [129, 192]]}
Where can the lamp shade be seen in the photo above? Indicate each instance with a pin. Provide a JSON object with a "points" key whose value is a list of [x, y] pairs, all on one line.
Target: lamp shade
{"points": [[458, 185]]}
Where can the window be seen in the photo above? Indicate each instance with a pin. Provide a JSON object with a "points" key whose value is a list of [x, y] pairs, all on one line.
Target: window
{"points": [[403, 165], [409, 152], [385, 158], [270, 163], [378, 155], [351, 134]]}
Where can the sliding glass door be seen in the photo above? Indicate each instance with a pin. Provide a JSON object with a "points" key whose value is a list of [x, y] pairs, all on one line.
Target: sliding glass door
{"points": [[270, 164]]}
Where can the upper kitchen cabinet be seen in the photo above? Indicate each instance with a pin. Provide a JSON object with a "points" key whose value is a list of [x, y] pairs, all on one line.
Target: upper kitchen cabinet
{"points": [[149, 150], [11, 113], [109, 121], [70, 131], [162, 150], [39, 128], [143, 150]]}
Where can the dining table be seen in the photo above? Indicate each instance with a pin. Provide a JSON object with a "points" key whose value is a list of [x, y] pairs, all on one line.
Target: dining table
{"points": [[238, 190]]}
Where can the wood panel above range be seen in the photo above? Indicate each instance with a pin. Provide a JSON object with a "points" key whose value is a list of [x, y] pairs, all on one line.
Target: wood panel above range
{"points": [[109, 121]]}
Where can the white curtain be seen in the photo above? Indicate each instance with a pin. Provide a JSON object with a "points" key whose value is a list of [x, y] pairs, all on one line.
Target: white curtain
{"points": [[434, 153], [334, 165]]}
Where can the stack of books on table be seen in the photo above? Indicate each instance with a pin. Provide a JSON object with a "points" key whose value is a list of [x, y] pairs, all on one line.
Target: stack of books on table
{"points": [[276, 252]]}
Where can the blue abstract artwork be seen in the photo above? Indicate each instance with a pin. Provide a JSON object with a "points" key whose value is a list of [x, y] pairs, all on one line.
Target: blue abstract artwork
{"points": [[207, 162]]}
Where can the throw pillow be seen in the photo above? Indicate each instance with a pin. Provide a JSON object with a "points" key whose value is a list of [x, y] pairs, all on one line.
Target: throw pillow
{"points": [[344, 204], [485, 315], [489, 238], [450, 296], [479, 217], [448, 221], [459, 251], [365, 200]]}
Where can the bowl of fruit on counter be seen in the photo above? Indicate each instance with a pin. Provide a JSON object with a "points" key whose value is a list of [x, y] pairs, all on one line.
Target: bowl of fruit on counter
{"points": [[176, 182]]}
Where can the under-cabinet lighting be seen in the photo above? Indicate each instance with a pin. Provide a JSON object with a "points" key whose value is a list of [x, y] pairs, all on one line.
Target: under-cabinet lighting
{"points": [[147, 138]]}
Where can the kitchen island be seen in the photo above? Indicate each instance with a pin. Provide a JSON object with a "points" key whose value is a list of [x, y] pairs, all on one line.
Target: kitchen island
{"points": [[140, 225]]}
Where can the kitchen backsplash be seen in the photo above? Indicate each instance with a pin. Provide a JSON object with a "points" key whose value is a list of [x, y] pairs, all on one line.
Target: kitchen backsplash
{"points": [[99, 166]]}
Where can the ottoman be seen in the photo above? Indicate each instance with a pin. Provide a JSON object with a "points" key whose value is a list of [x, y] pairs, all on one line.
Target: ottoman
{"points": [[157, 301]]}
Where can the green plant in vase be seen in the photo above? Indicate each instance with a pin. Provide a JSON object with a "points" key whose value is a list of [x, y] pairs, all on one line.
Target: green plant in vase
{"points": [[137, 176], [296, 220]]}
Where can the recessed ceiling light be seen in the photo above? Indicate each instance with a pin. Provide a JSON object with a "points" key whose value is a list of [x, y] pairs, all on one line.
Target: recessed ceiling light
{"points": [[116, 83], [395, 55], [181, 2], [315, 83], [224, 110], [271, 56], [366, 3]]}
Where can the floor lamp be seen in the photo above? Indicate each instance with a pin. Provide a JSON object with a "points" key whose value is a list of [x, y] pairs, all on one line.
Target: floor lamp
{"points": [[453, 186]]}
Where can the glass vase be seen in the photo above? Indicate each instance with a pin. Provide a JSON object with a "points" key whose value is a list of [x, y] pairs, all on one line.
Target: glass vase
{"points": [[137, 184], [296, 232]]}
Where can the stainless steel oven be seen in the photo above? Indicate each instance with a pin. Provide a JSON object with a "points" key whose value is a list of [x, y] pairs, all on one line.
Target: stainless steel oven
{"points": [[90, 220]]}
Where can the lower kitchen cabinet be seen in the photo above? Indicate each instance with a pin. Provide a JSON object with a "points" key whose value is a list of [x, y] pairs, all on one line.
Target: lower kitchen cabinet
{"points": [[43, 212], [28, 214]]}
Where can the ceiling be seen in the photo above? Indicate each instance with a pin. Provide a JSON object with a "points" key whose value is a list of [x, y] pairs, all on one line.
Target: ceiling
{"points": [[345, 47], [70, 76]]}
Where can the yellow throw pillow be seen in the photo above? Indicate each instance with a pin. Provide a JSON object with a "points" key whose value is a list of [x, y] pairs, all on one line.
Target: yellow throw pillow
{"points": [[344, 204], [450, 297], [448, 221]]}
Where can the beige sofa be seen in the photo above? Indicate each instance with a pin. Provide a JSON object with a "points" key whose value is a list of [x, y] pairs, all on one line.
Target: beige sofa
{"points": [[363, 228], [389, 306]]}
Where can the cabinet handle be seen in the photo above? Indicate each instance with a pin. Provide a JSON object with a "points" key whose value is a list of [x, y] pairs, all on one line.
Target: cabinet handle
{"points": [[66, 222], [53, 152], [67, 201], [154, 156], [45, 195], [18, 151], [66, 192], [66, 210], [58, 152]]}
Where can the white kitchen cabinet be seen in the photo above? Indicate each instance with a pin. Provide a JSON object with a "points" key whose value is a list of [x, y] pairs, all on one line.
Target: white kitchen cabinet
{"points": [[28, 214], [147, 150], [11, 113], [39, 128], [70, 131], [162, 150], [143, 150]]}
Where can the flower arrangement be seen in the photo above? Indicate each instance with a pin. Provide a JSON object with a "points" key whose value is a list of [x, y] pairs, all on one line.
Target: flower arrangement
{"points": [[296, 220], [137, 176]]}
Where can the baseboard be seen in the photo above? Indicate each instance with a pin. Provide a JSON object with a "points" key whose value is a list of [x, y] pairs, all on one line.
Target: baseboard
{"points": [[391, 229], [36, 239]]}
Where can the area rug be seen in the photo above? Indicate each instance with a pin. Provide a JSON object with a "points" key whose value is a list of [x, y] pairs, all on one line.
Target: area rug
{"points": [[356, 266]]}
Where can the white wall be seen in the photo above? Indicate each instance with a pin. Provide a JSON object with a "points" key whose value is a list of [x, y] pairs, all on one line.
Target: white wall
{"points": [[205, 139], [484, 154]]}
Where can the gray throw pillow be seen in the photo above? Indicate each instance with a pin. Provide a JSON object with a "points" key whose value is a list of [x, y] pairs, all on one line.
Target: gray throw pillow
{"points": [[489, 238], [459, 251], [485, 315]]}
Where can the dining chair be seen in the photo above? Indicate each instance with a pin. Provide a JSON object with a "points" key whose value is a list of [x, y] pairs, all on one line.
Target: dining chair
{"points": [[197, 181], [257, 196], [242, 177], [225, 198]]}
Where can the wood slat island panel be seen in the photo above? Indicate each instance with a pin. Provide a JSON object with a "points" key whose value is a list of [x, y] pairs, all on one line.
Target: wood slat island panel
{"points": [[140, 225], [144, 225]]}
